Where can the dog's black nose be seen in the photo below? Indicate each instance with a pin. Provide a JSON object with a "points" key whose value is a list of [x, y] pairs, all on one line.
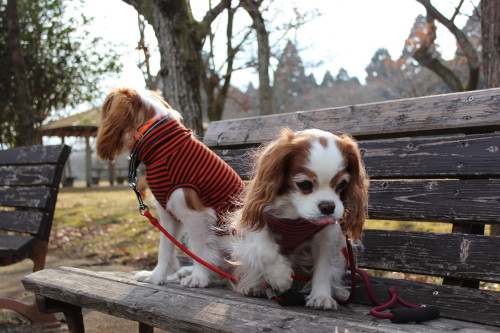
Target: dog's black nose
{"points": [[326, 207]]}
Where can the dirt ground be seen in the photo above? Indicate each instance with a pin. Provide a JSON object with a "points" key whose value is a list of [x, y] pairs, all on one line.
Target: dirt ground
{"points": [[11, 287]]}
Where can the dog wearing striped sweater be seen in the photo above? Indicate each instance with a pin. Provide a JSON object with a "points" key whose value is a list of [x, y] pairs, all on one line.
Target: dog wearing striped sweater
{"points": [[192, 187], [309, 188]]}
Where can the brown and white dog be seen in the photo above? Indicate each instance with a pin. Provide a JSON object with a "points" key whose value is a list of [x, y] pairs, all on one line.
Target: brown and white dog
{"points": [[192, 187], [308, 189]]}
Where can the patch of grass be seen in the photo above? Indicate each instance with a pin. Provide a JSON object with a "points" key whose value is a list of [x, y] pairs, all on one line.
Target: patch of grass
{"points": [[409, 226], [104, 225]]}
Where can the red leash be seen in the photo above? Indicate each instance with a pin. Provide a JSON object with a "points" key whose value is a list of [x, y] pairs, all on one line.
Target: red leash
{"points": [[183, 248], [400, 315]]}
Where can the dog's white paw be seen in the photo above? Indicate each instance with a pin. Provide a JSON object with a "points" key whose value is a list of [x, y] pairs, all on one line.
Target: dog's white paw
{"points": [[195, 281], [255, 291], [154, 277], [341, 293], [279, 277], [321, 302], [180, 274]]}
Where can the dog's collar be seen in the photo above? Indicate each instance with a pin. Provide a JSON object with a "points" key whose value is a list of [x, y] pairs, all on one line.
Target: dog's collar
{"points": [[144, 131]]}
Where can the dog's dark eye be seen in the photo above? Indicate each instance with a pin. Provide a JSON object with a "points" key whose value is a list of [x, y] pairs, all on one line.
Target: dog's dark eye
{"points": [[341, 186], [305, 186]]}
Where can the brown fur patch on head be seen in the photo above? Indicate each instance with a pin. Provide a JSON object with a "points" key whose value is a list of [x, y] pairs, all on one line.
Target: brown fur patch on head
{"points": [[275, 165], [355, 196], [123, 114]]}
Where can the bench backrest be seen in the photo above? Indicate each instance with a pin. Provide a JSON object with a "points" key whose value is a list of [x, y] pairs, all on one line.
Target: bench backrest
{"points": [[430, 159], [29, 184]]}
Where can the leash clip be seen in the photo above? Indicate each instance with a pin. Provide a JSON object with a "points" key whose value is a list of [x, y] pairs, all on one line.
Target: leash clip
{"points": [[142, 206]]}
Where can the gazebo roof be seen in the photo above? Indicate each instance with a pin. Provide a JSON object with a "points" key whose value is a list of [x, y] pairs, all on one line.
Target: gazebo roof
{"points": [[82, 124]]}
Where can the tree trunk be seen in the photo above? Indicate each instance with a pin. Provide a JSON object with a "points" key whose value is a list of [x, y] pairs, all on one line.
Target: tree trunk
{"points": [[180, 39], [24, 114], [265, 91], [490, 30], [180, 48]]}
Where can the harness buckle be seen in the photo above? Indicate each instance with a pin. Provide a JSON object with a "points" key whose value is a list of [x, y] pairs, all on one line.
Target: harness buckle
{"points": [[142, 206]]}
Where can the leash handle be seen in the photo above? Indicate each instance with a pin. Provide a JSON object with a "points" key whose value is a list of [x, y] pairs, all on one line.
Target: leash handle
{"points": [[419, 314], [411, 312]]}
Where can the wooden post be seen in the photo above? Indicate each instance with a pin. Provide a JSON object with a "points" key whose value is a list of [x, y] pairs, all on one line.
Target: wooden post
{"points": [[88, 161], [111, 173]]}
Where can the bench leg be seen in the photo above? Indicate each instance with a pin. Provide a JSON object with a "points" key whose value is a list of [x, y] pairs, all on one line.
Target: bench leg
{"points": [[72, 313], [145, 328], [38, 254], [30, 312]]}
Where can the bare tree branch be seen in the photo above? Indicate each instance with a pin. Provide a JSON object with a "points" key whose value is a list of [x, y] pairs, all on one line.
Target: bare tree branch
{"points": [[457, 11], [463, 41], [213, 13], [265, 93]]}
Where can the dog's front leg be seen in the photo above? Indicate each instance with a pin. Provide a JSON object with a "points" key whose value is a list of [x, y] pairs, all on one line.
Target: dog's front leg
{"points": [[260, 251], [203, 242], [167, 261], [329, 267]]}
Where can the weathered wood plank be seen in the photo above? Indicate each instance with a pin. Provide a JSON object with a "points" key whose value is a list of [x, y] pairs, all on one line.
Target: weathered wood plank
{"points": [[469, 112], [14, 244], [35, 155], [178, 309], [23, 221], [239, 159], [28, 175], [456, 156], [452, 255], [467, 201], [28, 197]]}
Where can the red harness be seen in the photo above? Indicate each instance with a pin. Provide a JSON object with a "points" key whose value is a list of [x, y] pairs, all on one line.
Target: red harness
{"points": [[290, 233]]}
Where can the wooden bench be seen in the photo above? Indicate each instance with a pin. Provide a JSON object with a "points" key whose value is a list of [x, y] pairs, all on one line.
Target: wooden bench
{"points": [[430, 159], [29, 183]]}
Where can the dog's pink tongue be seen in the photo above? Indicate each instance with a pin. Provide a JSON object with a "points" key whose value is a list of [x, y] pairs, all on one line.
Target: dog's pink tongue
{"points": [[328, 220]]}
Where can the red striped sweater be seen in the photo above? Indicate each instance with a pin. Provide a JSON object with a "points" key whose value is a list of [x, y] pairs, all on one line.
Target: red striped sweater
{"points": [[175, 159]]}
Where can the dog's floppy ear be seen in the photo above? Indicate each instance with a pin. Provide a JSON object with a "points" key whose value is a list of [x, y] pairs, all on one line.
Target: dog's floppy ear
{"points": [[268, 178], [122, 114], [355, 196]]}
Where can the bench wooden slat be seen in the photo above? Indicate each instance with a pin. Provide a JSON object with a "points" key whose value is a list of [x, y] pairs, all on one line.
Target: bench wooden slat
{"points": [[27, 175], [22, 221], [451, 113], [35, 155], [26, 197], [178, 309], [452, 255], [14, 244], [468, 201], [458, 156]]}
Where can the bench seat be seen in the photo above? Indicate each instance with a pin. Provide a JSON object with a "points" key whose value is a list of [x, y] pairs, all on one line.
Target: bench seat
{"points": [[178, 309]]}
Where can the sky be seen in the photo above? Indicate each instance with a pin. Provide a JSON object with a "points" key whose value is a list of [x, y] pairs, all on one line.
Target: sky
{"points": [[345, 35]]}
